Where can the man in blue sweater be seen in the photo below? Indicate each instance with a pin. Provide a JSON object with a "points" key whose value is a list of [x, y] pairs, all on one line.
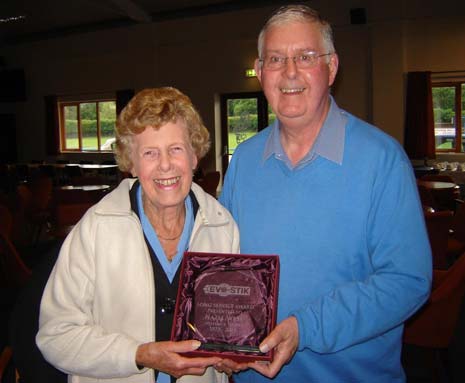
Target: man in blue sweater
{"points": [[336, 198]]}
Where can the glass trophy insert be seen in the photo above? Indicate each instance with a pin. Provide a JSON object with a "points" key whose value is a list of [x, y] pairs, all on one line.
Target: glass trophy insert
{"points": [[227, 302]]}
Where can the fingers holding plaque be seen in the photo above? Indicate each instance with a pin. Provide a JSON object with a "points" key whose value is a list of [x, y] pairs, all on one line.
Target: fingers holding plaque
{"points": [[228, 302]]}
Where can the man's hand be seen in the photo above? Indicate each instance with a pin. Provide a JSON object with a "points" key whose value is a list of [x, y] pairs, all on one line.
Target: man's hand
{"points": [[229, 366], [167, 357], [284, 339]]}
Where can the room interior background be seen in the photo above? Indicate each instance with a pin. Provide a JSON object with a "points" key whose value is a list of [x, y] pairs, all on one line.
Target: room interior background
{"points": [[206, 56]]}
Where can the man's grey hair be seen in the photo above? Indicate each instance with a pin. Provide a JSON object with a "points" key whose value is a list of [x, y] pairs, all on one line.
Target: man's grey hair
{"points": [[299, 13]]}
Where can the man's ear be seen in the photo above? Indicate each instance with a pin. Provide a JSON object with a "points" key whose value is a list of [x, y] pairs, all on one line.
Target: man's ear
{"points": [[333, 67]]}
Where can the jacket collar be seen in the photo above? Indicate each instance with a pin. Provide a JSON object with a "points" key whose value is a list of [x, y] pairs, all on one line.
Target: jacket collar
{"points": [[118, 203]]}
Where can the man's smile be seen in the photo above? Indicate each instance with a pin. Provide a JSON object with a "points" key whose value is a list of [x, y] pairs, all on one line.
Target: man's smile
{"points": [[291, 90]]}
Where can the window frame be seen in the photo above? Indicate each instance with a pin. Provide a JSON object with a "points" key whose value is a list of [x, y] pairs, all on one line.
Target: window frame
{"points": [[61, 124], [458, 114], [262, 119]]}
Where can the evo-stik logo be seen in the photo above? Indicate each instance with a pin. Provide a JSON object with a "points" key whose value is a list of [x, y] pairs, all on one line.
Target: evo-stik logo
{"points": [[224, 290]]}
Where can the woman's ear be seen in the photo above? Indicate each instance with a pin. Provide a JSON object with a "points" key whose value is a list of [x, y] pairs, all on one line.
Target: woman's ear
{"points": [[133, 170], [195, 162]]}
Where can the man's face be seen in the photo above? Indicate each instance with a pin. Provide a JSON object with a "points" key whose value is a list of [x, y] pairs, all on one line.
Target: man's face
{"points": [[298, 96]]}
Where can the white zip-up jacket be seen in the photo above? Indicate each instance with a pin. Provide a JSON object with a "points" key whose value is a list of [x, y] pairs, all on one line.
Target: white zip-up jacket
{"points": [[99, 303]]}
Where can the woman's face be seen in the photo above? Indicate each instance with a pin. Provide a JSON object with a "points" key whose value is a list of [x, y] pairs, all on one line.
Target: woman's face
{"points": [[164, 161]]}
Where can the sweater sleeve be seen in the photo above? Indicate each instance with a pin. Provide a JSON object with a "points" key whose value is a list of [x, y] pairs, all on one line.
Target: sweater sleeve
{"points": [[400, 280]]}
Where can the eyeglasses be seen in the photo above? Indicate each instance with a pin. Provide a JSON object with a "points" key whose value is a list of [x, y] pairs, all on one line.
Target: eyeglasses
{"points": [[167, 306], [303, 60]]}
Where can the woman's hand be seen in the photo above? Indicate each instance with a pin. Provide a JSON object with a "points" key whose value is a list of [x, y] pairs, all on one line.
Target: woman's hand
{"points": [[229, 366], [167, 357]]}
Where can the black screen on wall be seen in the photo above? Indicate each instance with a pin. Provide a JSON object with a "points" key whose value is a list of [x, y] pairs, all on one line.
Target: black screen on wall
{"points": [[12, 85], [8, 138]]}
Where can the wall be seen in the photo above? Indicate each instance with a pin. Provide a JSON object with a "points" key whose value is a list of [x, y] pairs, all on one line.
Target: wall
{"points": [[206, 56]]}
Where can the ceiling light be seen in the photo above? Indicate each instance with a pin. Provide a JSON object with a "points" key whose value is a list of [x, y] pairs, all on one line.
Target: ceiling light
{"points": [[11, 19]]}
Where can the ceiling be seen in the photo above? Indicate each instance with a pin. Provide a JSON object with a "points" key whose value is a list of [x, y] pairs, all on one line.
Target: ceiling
{"points": [[32, 20]]}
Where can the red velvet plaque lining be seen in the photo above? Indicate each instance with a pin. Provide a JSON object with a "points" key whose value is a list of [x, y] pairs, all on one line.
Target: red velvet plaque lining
{"points": [[228, 302]]}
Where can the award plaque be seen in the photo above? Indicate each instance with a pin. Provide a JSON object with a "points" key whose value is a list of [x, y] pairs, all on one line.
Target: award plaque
{"points": [[227, 302]]}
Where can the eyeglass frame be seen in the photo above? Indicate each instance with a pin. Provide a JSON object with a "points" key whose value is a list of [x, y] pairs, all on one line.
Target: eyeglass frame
{"points": [[283, 60]]}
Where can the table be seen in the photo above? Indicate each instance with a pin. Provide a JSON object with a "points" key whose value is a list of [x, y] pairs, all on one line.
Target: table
{"points": [[422, 170], [70, 202], [84, 187], [78, 194], [443, 194], [458, 176], [63, 165], [437, 185]]}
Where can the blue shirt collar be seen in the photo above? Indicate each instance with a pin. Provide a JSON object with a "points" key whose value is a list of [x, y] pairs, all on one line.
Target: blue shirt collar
{"points": [[329, 143], [169, 268]]}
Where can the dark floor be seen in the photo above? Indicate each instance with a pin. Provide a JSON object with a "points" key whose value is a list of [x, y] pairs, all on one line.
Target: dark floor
{"points": [[446, 366], [421, 365]]}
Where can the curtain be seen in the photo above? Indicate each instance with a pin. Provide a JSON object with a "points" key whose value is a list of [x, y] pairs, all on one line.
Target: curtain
{"points": [[123, 96], [52, 128], [419, 120]]}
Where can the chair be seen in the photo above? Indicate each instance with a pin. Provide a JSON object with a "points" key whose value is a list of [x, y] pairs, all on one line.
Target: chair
{"points": [[13, 271], [68, 207], [426, 198], [456, 243], [71, 171], [20, 173], [437, 177], [22, 231], [6, 221], [433, 326], [33, 210], [5, 361], [88, 180], [438, 224], [24, 324], [48, 171], [445, 198], [42, 189], [210, 182]]}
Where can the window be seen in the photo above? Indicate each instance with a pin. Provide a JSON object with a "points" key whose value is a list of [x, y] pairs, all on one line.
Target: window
{"points": [[243, 115], [87, 126], [449, 116]]}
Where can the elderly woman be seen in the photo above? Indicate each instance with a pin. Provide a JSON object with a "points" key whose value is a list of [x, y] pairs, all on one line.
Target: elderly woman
{"points": [[107, 309]]}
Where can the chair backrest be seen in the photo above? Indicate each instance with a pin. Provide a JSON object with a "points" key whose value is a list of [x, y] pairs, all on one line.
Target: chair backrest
{"points": [[458, 222], [88, 180], [5, 358], [434, 324], [437, 177], [72, 171], [426, 197], [6, 221], [41, 189], [438, 224], [13, 272], [24, 197], [444, 198], [210, 182]]}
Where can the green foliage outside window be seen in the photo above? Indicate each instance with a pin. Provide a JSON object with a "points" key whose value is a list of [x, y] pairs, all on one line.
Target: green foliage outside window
{"points": [[242, 106], [91, 114], [107, 127]]}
